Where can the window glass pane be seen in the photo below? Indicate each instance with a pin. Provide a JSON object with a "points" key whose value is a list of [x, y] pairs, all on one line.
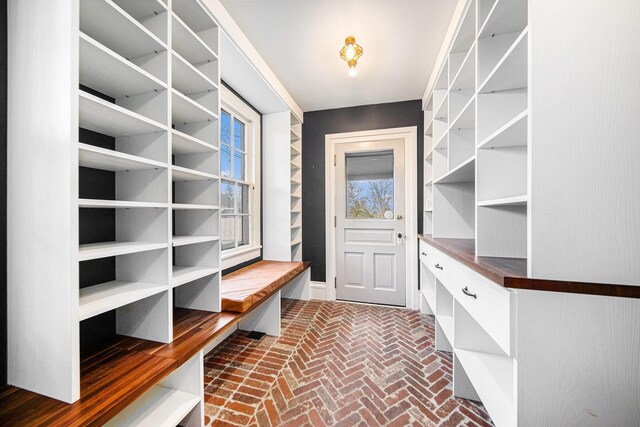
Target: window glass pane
{"points": [[228, 197], [225, 128], [238, 165], [369, 181], [225, 160], [243, 199], [228, 240], [238, 134], [242, 230]]}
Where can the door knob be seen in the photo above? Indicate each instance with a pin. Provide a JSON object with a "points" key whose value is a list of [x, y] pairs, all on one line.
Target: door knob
{"points": [[399, 217], [399, 235]]}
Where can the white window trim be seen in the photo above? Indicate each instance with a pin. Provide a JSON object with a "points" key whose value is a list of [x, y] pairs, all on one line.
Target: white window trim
{"points": [[237, 107]]}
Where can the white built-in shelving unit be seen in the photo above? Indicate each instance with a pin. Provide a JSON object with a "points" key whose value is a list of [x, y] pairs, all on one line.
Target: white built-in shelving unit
{"points": [[296, 189], [511, 154], [138, 176], [282, 162], [476, 133]]}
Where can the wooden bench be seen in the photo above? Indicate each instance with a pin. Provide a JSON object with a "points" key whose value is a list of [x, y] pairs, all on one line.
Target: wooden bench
{"points": [[118, 372]]}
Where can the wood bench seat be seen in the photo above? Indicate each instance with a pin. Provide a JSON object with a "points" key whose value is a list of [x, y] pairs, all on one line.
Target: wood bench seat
{"points": [[251, 285], [116, 373]]}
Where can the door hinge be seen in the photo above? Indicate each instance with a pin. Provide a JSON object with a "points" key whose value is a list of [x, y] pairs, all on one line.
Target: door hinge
{"points": [[335, 282], [335, 159], [335, 221]]}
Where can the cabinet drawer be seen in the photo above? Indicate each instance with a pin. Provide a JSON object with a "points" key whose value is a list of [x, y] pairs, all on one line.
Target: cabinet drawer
{"points": [[491, 305], [424, 253], [440, 265]]}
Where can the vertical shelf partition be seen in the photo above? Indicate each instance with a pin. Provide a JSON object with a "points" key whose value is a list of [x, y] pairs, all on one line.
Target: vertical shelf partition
{"points": [[296, 189]]}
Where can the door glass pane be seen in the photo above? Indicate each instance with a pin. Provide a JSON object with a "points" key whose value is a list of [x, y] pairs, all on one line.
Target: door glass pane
{"points": [[238, 134], [369, 185], [228, 240], [228, 193]]}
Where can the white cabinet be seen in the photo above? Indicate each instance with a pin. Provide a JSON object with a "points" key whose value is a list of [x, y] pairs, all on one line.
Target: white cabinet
{"points": [[524, 352], [517, 169]]}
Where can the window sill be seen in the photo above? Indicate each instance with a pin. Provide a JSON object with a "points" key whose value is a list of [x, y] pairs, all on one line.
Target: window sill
{"points": [[238, 256]]}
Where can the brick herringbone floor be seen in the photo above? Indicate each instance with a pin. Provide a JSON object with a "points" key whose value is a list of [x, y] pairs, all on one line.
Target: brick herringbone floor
{"points": [[336, 364]]}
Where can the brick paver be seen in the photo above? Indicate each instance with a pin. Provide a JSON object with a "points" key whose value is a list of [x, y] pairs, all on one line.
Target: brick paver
{"points": [[336, 364]]}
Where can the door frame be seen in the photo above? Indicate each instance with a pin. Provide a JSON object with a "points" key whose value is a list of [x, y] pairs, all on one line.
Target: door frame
{"points": [[410, 137]]}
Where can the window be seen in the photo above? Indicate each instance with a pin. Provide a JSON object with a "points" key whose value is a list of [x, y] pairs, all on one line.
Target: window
{"points": [[239, 186]]}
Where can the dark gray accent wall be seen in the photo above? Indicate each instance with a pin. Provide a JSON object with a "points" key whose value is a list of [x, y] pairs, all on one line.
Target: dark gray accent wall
{"points": [[316, 125], [3, 193]]}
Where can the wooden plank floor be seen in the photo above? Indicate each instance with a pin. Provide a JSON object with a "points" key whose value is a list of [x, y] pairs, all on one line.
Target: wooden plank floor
{"points": [[116, 373]]}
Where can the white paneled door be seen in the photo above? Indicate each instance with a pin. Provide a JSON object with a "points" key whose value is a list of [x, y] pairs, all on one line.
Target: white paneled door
{"points": [[369, 222]]}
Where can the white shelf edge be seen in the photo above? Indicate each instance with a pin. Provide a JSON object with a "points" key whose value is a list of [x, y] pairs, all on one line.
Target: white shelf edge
{"points": [[118, 156], [502, 60], [195, 70], [505, 201], [484, 371], [108, 249], [452, 172], [181, 275], [504, 128], [193, 206], [192, 140], [119, 58], [133, 21], [464, 110], [427, 295], [194, 104], [446, 323], [122, 111], [159, 407], [440, 106], [98, 299], [487, 19], [177, 241], [193, 34], [190, 174], [464, 62], [436, 146], [98, 203]]}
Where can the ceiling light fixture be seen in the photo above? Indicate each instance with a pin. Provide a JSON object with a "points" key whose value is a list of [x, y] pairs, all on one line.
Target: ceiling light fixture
{"points": [[351, 52]]}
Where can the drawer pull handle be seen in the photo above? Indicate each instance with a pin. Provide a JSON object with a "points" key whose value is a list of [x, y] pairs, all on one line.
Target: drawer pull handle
{"points": [[424, 253], [465, 291], [439, 267]]}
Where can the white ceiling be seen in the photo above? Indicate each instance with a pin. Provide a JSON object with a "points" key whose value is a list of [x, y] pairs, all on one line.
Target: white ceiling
{"points": [[301, 41]]}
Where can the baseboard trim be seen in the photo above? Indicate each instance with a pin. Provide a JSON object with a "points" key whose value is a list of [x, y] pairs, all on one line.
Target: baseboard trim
{"points": [[318, 290]]}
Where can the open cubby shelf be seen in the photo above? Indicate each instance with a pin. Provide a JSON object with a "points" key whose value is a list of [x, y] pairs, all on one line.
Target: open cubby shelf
{"points": [[99, 158], [107, 118], [187, 78], [148, 158], [107, 72], [105, 21], [189, 45], [108, 249], [98, 299], [476, 112]]}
